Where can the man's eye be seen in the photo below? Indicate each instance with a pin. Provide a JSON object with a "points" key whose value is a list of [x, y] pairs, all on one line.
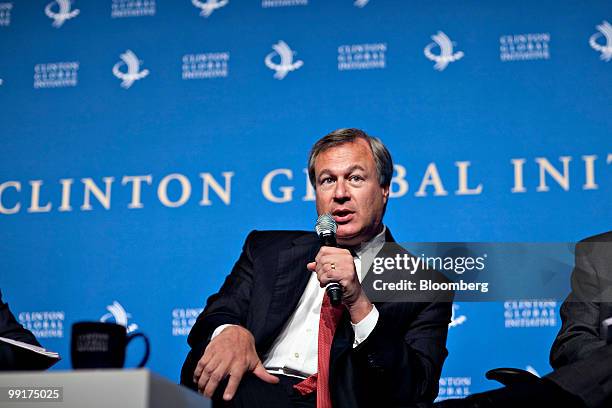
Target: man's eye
{"points": [[327, 180], [356, 178]]}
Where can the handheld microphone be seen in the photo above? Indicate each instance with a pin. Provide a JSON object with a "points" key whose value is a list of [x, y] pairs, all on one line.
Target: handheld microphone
{"points": [[326, 228]]}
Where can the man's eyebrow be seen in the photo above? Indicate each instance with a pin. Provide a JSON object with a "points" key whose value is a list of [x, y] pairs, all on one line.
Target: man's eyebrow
{"points": [[349, 170]]}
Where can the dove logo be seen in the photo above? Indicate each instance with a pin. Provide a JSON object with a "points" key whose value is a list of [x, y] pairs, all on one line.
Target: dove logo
{"points": [[63, 12], [131, 61], [117, 314], [361, 3], [456, 320], [532, 371], [446, 55], [207, 7], [605, 31], [286, 65]]}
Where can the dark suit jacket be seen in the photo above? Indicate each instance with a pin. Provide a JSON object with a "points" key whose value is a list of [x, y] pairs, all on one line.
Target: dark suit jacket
{"points": [[399, 364], [579, 355], [13, 358]]}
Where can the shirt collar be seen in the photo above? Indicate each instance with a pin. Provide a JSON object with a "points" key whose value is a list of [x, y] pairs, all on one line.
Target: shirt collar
{"points": [[374, 245]]}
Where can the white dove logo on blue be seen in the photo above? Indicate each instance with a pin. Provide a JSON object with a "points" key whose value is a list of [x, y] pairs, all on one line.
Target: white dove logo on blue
{"points": [[361, 3], [63, 13], [209, 6], [117, 313], [446, 51], [456, 320], [286, 64], [133, 73], [605, 30]]}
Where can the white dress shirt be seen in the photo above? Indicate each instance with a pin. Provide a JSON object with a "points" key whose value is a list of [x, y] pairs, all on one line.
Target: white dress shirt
{"points": [[294, 352]]}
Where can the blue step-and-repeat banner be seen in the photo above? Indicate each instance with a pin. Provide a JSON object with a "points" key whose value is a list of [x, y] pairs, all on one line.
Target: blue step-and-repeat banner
{"points": [[143, 139]]}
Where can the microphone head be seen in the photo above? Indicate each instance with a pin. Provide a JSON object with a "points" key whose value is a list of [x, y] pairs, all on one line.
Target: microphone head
{"points": [[326, 225]]}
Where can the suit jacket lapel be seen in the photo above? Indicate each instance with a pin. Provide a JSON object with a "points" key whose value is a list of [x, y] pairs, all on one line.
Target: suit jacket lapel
{"points": [[288, 284]]}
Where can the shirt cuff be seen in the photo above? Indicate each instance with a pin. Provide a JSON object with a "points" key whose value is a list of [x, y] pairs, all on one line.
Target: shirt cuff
{"points": [[219, 330], [364, 327]]}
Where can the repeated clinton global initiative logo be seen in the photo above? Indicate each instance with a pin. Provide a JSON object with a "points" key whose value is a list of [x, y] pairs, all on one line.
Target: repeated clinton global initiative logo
{"points": [[133, 73], [530, 313], [5, 14], [56, 74], [117, 314], [60, 11], [207, 7], [446, 55], [46, 324], [604, 31], [283, 3], [284, 55], [454, 387], [183, 320], [524, 47], [362, 56], [205, 66], [132, 8]]}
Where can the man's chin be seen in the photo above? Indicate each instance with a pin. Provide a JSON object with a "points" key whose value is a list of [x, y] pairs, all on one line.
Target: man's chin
{"points": [[348, 239]]}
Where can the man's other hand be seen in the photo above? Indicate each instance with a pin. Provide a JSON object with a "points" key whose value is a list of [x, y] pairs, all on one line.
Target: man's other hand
{"points": [[231, 353]]}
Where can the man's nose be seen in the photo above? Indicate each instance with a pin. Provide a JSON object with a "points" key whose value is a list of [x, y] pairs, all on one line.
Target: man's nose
{"points": [[341, 193]]}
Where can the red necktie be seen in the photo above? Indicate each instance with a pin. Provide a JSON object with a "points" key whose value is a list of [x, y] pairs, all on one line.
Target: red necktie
{"points": [[328, 321]]}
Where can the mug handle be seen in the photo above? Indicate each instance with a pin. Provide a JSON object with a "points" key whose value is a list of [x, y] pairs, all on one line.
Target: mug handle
{"points": [[145, 358]]}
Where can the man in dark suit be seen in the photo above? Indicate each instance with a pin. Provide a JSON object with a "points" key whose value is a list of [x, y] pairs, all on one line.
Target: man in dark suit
{"points": [[580, 355], [261, 340], [11, 357]]}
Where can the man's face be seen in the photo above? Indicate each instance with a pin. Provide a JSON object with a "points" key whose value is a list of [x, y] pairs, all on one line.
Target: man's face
{"points": [[347, 187]]}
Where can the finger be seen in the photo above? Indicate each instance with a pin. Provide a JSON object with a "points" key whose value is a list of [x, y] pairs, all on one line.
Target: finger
{"points": [[215, 378], [200, 367], [263, 375], [205, 376], [232, 386], [311, 266]]}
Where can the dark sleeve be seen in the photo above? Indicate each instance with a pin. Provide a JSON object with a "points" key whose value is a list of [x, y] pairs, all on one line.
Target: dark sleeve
{"points": [[580, 312], [404, 367], [228, 306], [13, 358]]}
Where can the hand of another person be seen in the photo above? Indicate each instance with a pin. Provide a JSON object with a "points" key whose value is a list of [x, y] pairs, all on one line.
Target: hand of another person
{"points": [[231, 353]]}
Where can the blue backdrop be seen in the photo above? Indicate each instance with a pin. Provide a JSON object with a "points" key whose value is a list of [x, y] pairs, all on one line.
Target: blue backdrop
{"points": [[142, 140]]}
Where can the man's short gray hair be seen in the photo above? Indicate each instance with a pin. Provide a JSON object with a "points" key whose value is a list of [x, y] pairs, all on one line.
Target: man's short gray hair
{"points": [[382, 157]]}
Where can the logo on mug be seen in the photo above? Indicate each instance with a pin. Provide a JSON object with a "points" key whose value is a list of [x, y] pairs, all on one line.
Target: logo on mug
{"points": [[117, 314]]}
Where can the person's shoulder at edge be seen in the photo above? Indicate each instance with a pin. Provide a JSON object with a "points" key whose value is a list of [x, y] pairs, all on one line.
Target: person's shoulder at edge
{"points": [[603, 237]]}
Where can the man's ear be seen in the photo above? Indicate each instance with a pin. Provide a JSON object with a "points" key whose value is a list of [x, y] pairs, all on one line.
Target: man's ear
{"points": [[385, 191]]}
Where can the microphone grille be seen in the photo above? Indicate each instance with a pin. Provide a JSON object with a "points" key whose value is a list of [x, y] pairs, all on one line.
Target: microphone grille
{"points": [[326, 224]]}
